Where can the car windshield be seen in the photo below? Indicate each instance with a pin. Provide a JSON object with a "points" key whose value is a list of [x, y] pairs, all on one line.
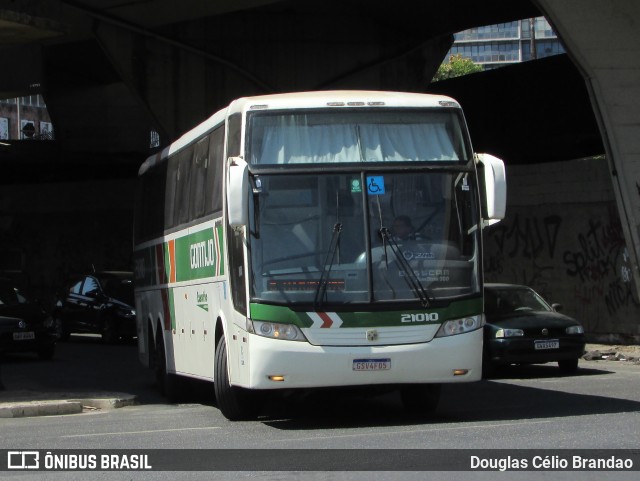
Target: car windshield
{"points": [[10, 295], [508, 300], [358, 237], [120, 288]]}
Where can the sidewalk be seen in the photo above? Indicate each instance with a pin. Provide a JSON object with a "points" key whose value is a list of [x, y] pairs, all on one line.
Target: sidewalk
{"points": [[25, 403]]}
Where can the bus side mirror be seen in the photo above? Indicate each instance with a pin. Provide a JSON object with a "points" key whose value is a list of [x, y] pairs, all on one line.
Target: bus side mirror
{"points": [[237, 192], [494, 193]]}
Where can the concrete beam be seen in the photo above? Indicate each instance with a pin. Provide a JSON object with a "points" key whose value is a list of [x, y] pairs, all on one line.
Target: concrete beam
{"points": [[20, 28], [240, 54]]}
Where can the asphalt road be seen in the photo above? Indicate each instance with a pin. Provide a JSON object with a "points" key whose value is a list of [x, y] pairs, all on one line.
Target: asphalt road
{"points": [[527, 408]]}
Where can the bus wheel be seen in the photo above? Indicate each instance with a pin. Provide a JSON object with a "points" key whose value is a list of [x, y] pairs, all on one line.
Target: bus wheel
{"points": [[167, 382], [235, 403], [420, 398]]}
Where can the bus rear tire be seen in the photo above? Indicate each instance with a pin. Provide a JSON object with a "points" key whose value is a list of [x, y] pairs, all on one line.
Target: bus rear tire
{"points": [[420, 399], [235, 403], [167, 382]]}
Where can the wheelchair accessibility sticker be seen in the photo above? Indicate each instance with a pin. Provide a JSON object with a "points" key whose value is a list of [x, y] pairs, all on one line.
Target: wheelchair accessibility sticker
{"points": [[375, 184]]}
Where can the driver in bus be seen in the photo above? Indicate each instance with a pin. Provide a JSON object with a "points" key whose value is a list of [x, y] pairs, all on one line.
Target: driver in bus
{"points": [[403, 229]]}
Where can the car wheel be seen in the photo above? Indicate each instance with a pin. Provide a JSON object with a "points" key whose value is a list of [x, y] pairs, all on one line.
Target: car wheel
{"points": [[235, 403], [61, 333], [46, 353], [109, 331], [568, 366], [168, 383], [421, 398]]}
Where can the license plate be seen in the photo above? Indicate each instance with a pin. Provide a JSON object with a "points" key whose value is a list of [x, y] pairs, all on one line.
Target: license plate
{"points": [[23, 336], [540, 345], [371, 364]]}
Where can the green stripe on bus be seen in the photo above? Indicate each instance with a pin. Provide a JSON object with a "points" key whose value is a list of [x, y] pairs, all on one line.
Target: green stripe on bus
{"points": [[283, 314], [197, 255]]}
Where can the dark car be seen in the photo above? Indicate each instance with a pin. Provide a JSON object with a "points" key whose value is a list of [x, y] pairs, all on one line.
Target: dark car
{"points": [[24, 325], [522, 328], [97, 303]]}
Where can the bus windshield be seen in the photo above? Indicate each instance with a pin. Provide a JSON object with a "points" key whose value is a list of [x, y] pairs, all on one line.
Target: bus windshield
{"points": [[365, 135], [337, 238]]}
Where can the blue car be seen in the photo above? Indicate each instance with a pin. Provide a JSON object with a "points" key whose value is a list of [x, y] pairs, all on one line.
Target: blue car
{"points": [[97, 303], [522, 328]]}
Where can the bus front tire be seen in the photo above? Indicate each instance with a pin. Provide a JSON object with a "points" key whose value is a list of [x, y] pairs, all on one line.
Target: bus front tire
{"points": [[235, 403]]}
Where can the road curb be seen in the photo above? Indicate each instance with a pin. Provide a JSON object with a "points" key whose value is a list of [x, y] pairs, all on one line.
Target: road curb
{"points": [[57, 407], [108, 402], [39, 408]]}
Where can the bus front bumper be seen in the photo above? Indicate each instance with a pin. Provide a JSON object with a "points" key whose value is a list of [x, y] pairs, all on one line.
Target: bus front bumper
{"points": [[278, 364]]}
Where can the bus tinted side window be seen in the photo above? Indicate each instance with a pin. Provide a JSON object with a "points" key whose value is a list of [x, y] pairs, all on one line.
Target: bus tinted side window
{"points": [[185, 166], [214, 181], [199, 169], [149, 214]]}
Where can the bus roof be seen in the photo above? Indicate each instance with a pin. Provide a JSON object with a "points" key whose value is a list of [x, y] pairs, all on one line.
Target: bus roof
{"points": [[339, 98], [303, 100]]}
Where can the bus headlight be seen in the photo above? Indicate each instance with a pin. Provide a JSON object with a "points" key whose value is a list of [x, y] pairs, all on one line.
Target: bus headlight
{"points": [[275, 330], [460, 326]]}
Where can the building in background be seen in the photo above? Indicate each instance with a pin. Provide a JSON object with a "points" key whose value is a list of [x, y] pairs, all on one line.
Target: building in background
{"points": [[25, 118], [494, 46]]}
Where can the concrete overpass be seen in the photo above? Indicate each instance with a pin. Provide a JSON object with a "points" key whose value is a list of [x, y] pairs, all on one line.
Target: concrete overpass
{"points": [[112, 71]]}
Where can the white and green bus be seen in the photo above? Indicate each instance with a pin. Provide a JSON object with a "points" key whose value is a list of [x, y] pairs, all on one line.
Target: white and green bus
{"points": [[316, 239]]}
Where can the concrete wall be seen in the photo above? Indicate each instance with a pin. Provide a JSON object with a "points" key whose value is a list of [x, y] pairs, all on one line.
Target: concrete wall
{"points": [[562, 236], [51, 230]]}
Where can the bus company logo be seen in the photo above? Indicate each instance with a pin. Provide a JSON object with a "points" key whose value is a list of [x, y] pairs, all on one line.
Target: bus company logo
{"points": [[23, 460], [411, 255], [202, 254], [202, 300]]}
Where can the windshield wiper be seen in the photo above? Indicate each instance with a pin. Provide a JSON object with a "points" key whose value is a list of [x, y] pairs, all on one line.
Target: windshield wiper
{"points": [[410, 276], [328, 264]]}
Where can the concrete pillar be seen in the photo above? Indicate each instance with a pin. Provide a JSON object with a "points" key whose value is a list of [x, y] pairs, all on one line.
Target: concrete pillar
{"points": [[603, 39]]}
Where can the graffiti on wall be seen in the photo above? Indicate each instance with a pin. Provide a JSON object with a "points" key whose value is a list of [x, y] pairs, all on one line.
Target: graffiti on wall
{"points": [[581, 257], [529, 238], [602, 265]]}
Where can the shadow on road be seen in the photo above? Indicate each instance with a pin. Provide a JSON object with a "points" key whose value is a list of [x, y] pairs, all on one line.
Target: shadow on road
{"points": [[86, 364]]}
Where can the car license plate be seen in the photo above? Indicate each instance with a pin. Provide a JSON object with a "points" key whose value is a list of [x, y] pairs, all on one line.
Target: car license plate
{"points": [[371, 364], [551, 344], [23, 336]]}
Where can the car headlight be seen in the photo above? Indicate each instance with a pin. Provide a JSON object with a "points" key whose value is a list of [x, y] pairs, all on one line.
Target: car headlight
{"points": [[275, 330], [500, 333], [460, 326], [574, 330]]}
